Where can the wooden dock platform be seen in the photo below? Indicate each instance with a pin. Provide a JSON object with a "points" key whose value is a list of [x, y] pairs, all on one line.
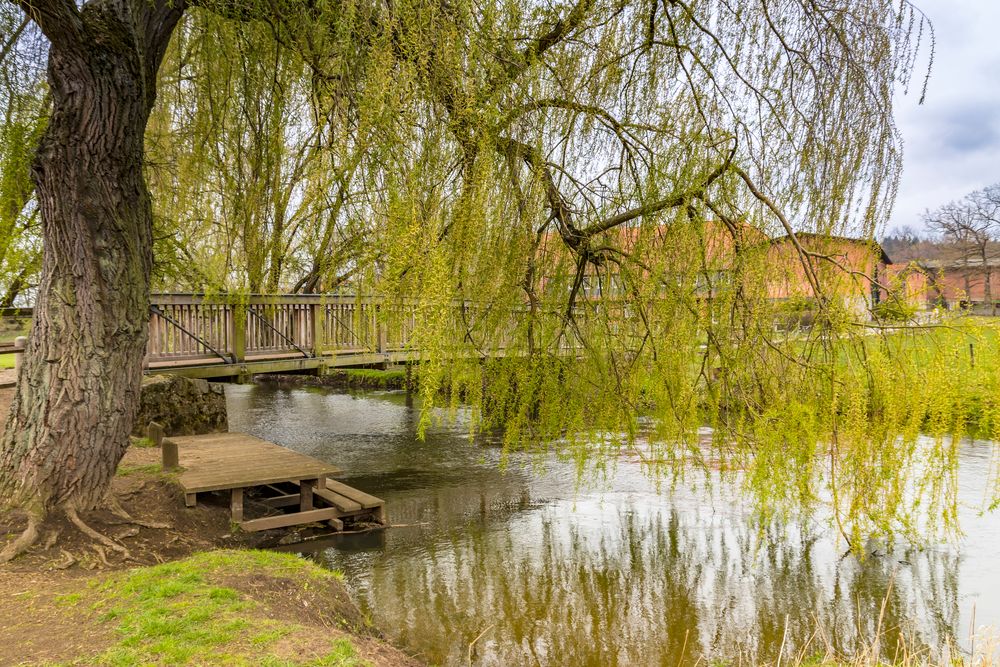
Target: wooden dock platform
{"points": [[294, 489]]}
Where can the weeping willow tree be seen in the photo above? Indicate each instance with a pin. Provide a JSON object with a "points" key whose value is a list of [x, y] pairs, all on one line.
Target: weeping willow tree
{"points": [[588, 186], [22, 99], [250, 171]]}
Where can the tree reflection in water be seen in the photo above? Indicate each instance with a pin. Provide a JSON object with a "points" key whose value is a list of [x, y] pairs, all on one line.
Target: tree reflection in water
{"points": [[624, 574]]}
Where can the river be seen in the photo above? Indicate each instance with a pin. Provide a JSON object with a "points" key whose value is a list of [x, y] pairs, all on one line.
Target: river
{"points": [[524, 564]]}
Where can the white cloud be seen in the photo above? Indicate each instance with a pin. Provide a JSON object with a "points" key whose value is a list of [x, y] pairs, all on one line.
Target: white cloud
{"points": [[952, 141]]}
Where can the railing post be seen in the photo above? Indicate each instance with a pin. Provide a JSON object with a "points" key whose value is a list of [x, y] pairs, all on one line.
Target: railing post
{"points": [[317, 312], [380, 332], [19, 344], [238, 322]]}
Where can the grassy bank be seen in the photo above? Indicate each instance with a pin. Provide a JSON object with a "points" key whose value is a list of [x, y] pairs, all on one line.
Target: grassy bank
{"points": [[360, 378], [234, 607]]}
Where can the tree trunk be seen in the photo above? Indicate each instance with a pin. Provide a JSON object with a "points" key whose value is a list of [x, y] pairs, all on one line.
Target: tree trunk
{"points": [[78, 389]]}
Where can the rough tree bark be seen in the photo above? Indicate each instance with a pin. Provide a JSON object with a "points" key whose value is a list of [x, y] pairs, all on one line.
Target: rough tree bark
{"points": [[78, 389]]}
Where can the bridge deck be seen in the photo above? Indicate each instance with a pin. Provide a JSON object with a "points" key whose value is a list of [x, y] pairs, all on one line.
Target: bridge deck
{"points": [[238, 461]]}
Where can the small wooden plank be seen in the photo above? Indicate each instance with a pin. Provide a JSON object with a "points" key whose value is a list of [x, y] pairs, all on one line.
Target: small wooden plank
{"points": [[190, 499], [294, 519], [342, 503], [236, 504], [336, 524], [366, 500]]}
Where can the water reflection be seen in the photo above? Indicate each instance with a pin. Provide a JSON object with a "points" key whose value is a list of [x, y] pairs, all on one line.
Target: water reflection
{"points": [[538, 571]]}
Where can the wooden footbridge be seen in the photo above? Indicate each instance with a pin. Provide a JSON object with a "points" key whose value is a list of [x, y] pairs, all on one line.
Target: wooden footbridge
{"points": [[238, 336]]}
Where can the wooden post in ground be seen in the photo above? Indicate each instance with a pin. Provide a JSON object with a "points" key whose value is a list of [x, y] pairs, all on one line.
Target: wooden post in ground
{"points": [[168, 448], [19, 344]]}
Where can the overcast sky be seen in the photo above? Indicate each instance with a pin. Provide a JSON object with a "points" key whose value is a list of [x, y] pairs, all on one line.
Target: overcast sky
{"points": [[952, 141]]}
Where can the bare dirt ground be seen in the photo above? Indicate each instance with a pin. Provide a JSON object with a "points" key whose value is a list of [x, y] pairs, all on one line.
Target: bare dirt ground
{"points": [[147, 495], [38, 627]]}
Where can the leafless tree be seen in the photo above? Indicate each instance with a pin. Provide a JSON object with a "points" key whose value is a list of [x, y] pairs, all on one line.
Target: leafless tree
{"points": [[970, 228]]}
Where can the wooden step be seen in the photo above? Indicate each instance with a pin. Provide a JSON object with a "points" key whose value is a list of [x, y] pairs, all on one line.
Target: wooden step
{"points": [[342, 503], [366, 500]]}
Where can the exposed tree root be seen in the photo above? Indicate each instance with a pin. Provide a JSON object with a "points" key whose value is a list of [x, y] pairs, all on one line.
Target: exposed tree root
{"points": [[116, 508], [101, 554], [90, 532], [51, 539], [68, 560], [23, 541], [128, 532]]}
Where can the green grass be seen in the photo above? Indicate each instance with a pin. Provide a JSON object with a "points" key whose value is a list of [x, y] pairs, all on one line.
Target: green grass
{"points": [[179, 613], [143, 442], [371, 377], [146, 468], [7, 360]]}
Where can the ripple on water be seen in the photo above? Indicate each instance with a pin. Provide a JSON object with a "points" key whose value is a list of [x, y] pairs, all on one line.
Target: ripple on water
{"points": [[616, 572]]}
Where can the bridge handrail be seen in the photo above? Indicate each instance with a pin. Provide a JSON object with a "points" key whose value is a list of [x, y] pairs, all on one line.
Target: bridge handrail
{"points": [[202, 328]]}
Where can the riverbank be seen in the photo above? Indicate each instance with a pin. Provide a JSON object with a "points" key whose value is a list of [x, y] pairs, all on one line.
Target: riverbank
{"points": [[180, 587], [216, 607]]}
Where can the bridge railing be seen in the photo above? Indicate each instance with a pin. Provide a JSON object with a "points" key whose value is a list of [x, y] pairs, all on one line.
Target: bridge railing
{"points": [[187, 329], [196, 329]]}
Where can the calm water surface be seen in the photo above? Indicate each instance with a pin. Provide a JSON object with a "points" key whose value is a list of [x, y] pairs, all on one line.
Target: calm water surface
{"points": [[541, 570]]}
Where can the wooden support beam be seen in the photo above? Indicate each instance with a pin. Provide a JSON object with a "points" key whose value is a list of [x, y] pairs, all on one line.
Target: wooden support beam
{"points": [[287, 500], [294, 519], [190, 499], [236, 504], [306, 487]]}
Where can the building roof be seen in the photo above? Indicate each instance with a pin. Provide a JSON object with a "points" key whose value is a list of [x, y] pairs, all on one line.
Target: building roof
{"points": [[874, 245]]}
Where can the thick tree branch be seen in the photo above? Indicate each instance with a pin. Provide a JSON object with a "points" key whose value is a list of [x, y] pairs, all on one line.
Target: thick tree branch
{"points": [[59, 20]]}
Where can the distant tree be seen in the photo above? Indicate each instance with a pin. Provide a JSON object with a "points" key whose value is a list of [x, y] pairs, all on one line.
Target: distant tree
{"points": [[902, 244], [970, 230]]}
